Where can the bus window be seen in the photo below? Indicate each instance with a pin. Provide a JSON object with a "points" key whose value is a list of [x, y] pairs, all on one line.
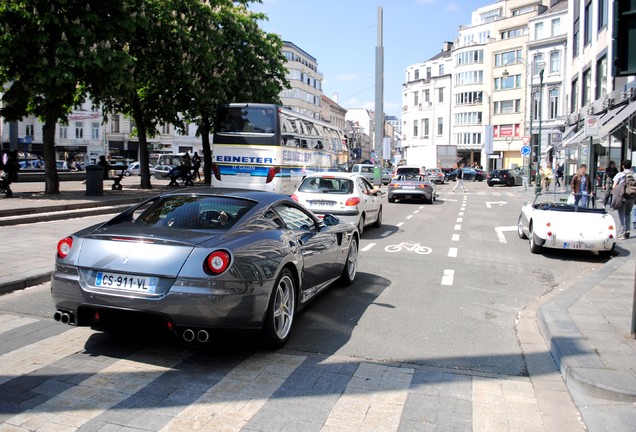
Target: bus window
{"points": [[247, 120]]}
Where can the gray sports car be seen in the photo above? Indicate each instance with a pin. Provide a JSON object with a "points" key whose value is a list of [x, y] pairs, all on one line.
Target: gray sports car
{"points": [[194, 263]]}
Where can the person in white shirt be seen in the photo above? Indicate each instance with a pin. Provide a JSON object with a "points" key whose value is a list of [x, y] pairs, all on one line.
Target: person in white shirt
{"points": [[625, 208]]}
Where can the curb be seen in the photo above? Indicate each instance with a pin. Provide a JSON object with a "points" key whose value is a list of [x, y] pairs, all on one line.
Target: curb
{"points": [[581, 368], [65, 207], [8, 284]]}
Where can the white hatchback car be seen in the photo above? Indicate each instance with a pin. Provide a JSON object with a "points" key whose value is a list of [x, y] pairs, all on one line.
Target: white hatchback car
{"points": [[348, 196]]}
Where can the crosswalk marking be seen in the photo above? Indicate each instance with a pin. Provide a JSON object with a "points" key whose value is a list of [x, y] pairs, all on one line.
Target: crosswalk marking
{"points": [[448, 277], [10, 322], [452, 252], [367, 247]]}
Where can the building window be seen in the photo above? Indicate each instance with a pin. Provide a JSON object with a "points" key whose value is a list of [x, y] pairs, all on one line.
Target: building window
{"points": [[554, 103], [95, 130], [510, 82], [469, 57], [601, 78], [415, 128], [556, 27], [165, 129], [587, 29], [470, 77], [491, 15], [427, 95], [538, 30], [507, 106], [508, 57], [63, 132], [513, 33], [536, 105], [28, 130], [468, 118], [114, 123], [507, 130], [79, 130], [417, 74], [575, 38], [484, 36], [416, 98], [428, 73], [440, 126], [425, 127], [574, 95], [537, 64], [440, 95], [523, 10], [555, 61], [602, 13], [587, 87], [441, 69]]}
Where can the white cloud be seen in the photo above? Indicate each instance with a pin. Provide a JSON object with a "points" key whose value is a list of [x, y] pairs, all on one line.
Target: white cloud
{"points": [[346, 77]]}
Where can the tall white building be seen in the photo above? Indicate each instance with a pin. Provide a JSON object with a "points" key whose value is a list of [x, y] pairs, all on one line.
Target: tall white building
{"points": [[426, 108], [305, 94]]}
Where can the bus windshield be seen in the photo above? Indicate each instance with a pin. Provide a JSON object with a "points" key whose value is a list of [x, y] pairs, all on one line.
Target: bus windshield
{"points": [[246, 120]]}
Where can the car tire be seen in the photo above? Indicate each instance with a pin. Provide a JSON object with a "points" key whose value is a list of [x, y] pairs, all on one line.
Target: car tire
{"points": [[378, 221], [391, 200], [534, 243], [491, 184], [361, 225], [350, 269], [522, 235], [127, 173], [279, 318], [605, 254]]}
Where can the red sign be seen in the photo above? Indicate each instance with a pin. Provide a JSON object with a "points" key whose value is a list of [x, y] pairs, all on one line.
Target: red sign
{"points": [[526, 140]]}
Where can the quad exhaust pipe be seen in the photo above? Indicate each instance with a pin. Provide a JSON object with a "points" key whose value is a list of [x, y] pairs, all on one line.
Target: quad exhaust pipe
{"points": [[201, 336], [57, 316], [63, 317]]}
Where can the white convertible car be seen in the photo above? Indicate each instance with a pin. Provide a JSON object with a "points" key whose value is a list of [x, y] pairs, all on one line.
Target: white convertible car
{"points": [[550, 222]]}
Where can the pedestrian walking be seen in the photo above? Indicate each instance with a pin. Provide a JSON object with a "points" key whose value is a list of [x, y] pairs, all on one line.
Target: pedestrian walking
{"points": [[103, 162], [546, 176], [560, 170], [11, 168], [624, 188], [610, 173], [460, 178], [581, 186], [196, 163]]}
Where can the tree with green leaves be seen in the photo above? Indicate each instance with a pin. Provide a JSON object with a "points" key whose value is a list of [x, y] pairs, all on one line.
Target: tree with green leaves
{"points": [[48, 50]]}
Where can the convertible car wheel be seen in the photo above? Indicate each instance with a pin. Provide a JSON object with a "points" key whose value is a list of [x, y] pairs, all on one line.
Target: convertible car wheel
{"points": [[280, 314], [520, 232], [350, 269]]}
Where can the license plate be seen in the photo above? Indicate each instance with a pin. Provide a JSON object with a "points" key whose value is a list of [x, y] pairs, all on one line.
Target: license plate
{"points": [[576, 246], [322, 203], [127, 282], [408, 187], [243, 174], [495, 180]]}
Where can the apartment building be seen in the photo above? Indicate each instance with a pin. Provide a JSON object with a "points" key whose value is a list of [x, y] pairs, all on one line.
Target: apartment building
{"points": [[426, 108], [305, 94], [332, 112]]}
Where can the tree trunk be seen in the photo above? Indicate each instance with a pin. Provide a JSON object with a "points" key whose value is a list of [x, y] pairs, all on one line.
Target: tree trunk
{"points": [[144, 157], [204, 130], [52, 181]]}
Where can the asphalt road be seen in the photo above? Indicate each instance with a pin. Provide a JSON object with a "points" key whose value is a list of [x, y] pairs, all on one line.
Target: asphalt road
{"points": [[453, 304]]}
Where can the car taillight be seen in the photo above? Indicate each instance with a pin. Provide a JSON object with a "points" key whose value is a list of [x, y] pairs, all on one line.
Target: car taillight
{"points": [[394, 185], [64, 247], [548, 224], [424, 186], [294, 197], [549, 233], [272, 173], [216, 171], [217, 262], [352, 202], [611, 227]]}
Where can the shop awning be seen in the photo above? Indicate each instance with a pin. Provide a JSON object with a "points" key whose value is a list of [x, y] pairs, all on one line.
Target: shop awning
{"points": [[615, 118], [574, 139]]}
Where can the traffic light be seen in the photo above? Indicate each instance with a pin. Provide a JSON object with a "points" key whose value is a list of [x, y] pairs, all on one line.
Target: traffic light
{"points": [[624, 37]]}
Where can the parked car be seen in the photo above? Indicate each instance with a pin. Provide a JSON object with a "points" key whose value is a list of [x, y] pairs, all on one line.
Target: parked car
{"points": [[470, 174], [134, 169], [191, 264], [506, 177], [350, 197], [387, 175], [365, 170], [551, 222], [436, 175], [411, 183], [160, 171]]}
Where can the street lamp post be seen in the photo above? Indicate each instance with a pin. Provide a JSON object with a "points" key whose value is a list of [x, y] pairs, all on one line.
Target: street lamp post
{"points": [[541, 68]]}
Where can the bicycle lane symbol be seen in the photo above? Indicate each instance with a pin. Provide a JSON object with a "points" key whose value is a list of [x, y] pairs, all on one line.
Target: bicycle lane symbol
{"points": [[410, 247]]}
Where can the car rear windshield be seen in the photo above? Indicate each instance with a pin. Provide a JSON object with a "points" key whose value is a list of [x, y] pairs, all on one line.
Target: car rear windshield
{"points": [[195, 212], [366, 169], [326, 185], [246, 120], [408, 172]]}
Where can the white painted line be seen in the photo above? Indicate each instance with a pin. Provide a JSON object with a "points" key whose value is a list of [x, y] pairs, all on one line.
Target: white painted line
{"points": [[409, 216], [421, 207], [416, 212], [447, 279], [490, 204], [452, 252], [386, 233], [367, 247], [458, 227], [463, 209], [459, 220], [500, 232], [460, 214], [399, 224], [455, 237]]}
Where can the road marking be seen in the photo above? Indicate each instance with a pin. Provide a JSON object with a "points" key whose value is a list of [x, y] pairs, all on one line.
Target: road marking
{"points": [[416, 212], [447, 279], [458, 227], [450, 200], [500, 232], [461, 214], [400, 224], [490, 204], [455, 237], [421, 207], [386, 233], [409, 216], [367, 247], [452, 252], [410, 247], [459, 220]]}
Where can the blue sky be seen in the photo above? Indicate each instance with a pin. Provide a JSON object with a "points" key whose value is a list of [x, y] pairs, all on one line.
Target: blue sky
{"points": [[341, 34]]}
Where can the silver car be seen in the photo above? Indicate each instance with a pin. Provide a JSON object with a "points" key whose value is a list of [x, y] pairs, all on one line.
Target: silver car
{"points": [[195, 263]]}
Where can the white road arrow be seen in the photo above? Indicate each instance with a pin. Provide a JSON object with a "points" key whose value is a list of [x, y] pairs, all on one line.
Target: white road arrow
{"points": [[489, 204], [500, 232]]}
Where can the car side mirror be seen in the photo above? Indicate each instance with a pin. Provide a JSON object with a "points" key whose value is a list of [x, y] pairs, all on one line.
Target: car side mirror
{"points": [[330, 220]]}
